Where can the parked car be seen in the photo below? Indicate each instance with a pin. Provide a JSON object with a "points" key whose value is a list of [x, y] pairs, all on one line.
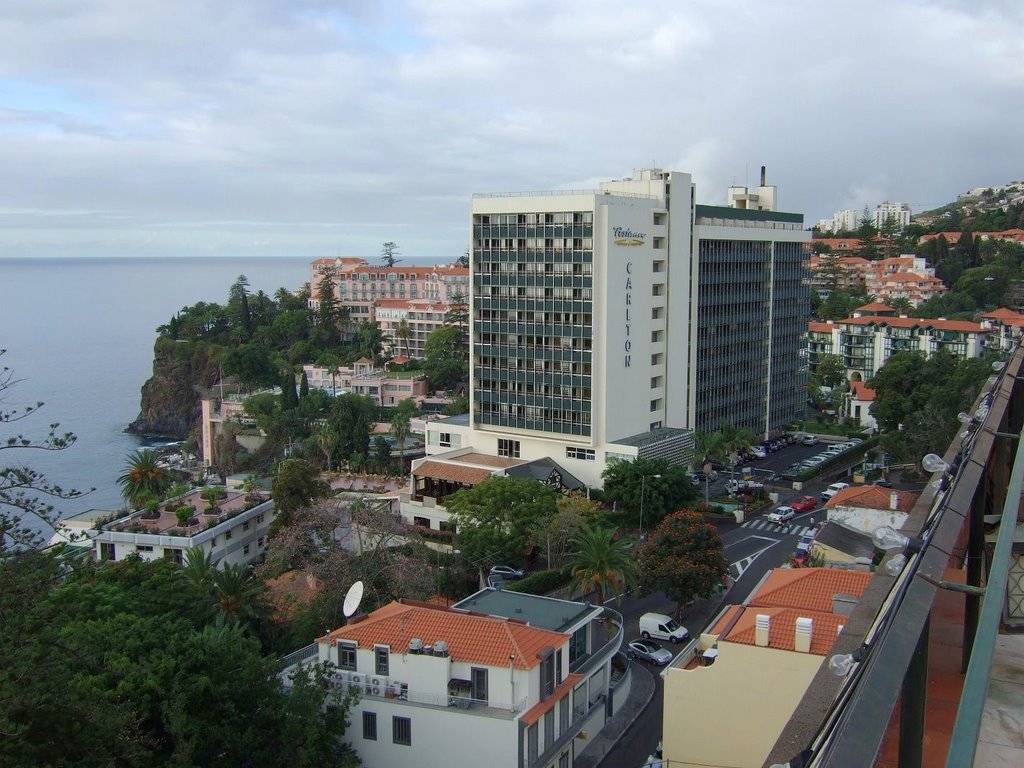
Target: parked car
{"points": [[883, 483], [781, 515], [739, 486], [759, 451], [804, 503], [648, 650], [832, 490], [810, 440], [507, 572], [662, 627]]}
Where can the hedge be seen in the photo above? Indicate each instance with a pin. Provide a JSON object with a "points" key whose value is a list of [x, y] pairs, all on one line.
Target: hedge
{"points": [[541, 582]]}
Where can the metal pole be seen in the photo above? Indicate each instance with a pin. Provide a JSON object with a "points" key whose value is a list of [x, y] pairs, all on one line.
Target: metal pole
{"points": [[643, 480], [912, 709]]}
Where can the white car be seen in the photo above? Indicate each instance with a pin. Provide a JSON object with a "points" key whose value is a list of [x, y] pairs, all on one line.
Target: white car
{"points": [[781, 515], [506, 572], [832, 490], [648, 650], [759, 451]]}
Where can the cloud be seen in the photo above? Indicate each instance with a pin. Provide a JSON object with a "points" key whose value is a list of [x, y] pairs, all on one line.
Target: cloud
{"points": [[324, 125]]}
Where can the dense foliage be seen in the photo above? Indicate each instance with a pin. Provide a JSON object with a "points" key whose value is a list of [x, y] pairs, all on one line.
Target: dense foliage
{"points": [[652, 486], [684, 558]]}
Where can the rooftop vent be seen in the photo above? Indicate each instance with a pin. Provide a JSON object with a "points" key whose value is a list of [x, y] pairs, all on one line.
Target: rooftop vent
{"points": [[761, 628], [802, 636]]}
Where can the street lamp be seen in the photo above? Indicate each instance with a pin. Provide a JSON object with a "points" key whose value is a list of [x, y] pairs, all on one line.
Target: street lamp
{"points": [[643, 481]]}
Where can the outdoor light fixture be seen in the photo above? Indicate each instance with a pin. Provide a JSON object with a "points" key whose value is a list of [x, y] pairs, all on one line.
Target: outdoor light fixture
{"points": [[886, 537], [998, 365], [964, 418], [798, 761], [896, 564], [934, 463], [841, 664]]}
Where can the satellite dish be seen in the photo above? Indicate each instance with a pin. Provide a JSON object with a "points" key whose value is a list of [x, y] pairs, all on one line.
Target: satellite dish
{"points": [[352, 598]]}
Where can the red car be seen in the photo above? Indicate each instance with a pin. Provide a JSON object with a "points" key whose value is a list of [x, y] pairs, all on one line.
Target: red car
{"points": [[804, 503]]}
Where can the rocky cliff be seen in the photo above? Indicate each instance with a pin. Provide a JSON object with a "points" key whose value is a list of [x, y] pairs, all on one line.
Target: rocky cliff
{"points": [[170, 398]]}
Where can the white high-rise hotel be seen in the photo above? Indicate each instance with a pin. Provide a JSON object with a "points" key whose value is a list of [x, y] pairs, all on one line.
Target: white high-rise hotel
{"points": [[614, 323]]}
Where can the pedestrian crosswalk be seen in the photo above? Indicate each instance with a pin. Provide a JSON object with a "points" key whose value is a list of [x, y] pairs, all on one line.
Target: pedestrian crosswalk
{"points": [[764, 525]]}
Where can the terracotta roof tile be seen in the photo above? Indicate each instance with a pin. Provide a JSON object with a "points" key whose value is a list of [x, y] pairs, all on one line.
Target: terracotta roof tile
{"points": [[816, 327], [471, 638], [490, 461], [875, 306], [455, 473], [534, 713], [782, 628], [873, 497], [809, 589], [917, 322], [861, 391]]}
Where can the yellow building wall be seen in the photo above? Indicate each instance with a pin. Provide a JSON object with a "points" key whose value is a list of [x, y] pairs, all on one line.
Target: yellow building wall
{"points": [[732, 712]]}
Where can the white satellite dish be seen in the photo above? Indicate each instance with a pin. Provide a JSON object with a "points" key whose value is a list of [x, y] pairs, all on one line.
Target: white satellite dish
{"points": [[352, 599]]}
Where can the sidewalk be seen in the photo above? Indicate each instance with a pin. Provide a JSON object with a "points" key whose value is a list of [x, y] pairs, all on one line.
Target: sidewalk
{"points": [[641, 691]]}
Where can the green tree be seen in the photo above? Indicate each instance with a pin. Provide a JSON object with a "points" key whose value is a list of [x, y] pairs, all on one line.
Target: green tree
{"points": [[328, 314], [735, 440], [389, 254], [370, 340], [601, 562], [238, 307], [303, 386], [198, 569], [381, 453], [457, 315], [143, 476], [212, 495], [402, 333], [400, 419], [463, 260], [446, 358], [832, 273], [830, 370], [25, 512], [574, 515], [651, 484], [901, 387], [867, 234], [252, 365], [351, 416], [495, 518], [237, 593], [297, 485], [889, 230], [684, 558]]}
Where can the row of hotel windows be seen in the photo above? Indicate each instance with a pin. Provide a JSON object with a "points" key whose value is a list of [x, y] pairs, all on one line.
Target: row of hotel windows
{"points": [[533, 413], [397, 276], [534, 243], [530, 388], [538, 292], [563, 217], [539, 366], [537, 267], [533, 316], [526, 340]]}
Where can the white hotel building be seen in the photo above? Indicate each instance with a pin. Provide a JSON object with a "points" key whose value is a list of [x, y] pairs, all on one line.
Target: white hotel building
{"points": [[613, 323]]}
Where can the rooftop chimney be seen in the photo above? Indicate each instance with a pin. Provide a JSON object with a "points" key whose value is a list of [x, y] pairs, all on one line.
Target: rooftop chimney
{"points": [[762, 175], [802, 637], [761, 627], [894, 500]]}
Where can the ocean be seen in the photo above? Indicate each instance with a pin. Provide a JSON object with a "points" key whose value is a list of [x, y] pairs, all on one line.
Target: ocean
{"points": [[79, 336]]}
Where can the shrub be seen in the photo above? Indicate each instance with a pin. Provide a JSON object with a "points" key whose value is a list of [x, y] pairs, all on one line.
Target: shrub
{"points": [[541, 582]]}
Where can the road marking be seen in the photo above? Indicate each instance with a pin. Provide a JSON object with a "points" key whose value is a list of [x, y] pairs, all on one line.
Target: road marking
{"points": [[748, 538], [742, 564], [764, 525]]}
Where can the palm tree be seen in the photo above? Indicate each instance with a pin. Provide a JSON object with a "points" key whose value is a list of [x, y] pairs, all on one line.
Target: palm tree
{"points": [[734, 440], [236, 591], [707, 446], [601, 562], [143, 477], [402, 332], [198, 569]]}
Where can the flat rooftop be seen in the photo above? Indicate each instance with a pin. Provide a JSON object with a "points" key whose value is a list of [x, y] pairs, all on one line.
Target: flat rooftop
{"points": [[538, 611]]}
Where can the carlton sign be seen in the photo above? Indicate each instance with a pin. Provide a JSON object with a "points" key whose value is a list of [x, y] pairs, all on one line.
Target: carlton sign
{"points": [[628, 237]]}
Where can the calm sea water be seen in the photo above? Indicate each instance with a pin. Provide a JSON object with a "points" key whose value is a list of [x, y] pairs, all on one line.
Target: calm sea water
{"points": [[79, 336]]}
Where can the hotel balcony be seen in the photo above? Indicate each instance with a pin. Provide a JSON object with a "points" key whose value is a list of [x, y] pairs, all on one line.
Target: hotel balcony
{"points": [[936, 641]]}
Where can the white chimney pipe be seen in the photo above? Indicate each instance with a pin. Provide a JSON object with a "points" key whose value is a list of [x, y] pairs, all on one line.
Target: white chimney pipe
{"points": [[894, 500], [761, 628], [802, 636]]}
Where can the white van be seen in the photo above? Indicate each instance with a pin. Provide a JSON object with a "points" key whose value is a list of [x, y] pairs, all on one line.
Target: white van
{"points": [[662, 627], [832, 490]]}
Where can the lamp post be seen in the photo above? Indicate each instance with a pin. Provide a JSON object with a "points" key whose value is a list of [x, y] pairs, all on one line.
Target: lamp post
{"points": [[643, 481]]}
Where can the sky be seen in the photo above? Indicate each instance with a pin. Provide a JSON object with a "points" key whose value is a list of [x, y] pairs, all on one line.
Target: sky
{"points": [[327, 127]]}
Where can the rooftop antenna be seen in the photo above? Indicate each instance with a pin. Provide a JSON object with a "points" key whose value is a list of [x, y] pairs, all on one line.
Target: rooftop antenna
{"points": [[352, 599]]}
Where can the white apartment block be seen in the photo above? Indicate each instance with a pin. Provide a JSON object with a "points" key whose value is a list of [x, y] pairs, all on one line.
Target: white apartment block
{"points": [[362, 378], [421, 317], [236, 533], [866, 342], [900, 212], [500, 679]]}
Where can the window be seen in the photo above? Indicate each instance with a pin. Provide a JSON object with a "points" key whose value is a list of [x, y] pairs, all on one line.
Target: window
{"points": [[245, 550], [148, 548], [227, 535], [478, 684], [532, 747], [445, 439], [585, 454], [657, 358], [655, 404], [259, 542], [370, 726], [347, 655], [380, 653], [657, 336], [655, 382], [245, 526], [401, 730], [547, 676], [578, 645], [508, 448]]}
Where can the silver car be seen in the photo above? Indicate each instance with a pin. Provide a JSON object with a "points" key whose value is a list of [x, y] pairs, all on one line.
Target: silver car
{"points": [[648, 650]]}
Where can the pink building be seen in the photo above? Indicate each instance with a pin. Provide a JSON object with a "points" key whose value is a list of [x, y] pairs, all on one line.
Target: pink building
{"points": [[386, 388]]}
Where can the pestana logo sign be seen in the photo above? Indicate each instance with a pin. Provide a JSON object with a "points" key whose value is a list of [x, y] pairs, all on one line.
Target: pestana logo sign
{"points": [[628, 237]]}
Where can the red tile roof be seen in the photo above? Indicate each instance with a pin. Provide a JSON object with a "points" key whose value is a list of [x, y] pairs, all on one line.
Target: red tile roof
{"points": [[917, 322], [873, 497], [808, 589], [471, 637], [875, 306], [820, 327], [782, 628], [1005, 316], [861, 391], [534, 713]]}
